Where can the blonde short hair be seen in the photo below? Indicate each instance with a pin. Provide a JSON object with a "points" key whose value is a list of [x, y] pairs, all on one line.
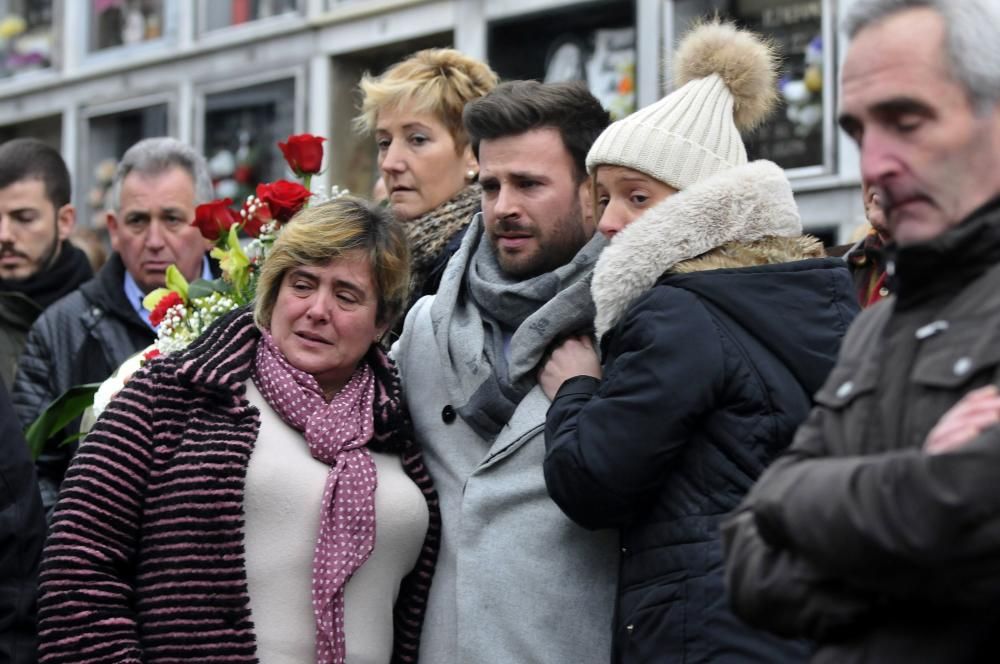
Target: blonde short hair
{"points": [[436, 81], [322, 233]]}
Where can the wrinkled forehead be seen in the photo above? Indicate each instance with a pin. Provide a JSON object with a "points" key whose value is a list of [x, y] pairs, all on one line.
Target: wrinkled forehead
{"points": [[173, 188], [900, 56]]}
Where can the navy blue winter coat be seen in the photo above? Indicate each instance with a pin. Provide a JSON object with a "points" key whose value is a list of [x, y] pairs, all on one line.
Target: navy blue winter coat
{"points": [[707, 375]]}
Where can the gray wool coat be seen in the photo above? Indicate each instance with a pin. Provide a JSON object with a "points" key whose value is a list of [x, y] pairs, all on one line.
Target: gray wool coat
{"points": [[516, 580]]}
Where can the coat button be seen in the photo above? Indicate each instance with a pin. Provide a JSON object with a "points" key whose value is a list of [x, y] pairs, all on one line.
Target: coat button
{"points": [[624, 550], [929, 330], [630, 629], [448, 414], [883, 292], [844, 390], [962, 366]]}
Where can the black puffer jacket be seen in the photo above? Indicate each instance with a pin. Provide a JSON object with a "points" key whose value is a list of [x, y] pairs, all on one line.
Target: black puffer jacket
{"points": [[706, 376], [82, 338], [22, 302], [17, 313]]}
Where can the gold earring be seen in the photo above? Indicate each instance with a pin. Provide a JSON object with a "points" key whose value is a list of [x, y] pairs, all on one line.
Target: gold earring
{"points": [[471, 175]]}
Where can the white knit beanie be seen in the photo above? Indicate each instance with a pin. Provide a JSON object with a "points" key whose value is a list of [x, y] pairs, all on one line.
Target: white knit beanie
{"points": [[727, 84]]}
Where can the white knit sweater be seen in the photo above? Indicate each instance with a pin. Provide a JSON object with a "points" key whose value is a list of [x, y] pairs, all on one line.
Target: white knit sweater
{"points": [[284, 489]]}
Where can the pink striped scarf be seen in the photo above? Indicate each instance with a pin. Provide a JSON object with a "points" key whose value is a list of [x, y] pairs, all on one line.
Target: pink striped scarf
{"points": [[336, 433]]}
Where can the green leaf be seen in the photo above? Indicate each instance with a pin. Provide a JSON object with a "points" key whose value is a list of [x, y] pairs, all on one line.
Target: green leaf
{"points": [[153, 298], [75, 437], [201, 288], [60, 413], [176, 282]]}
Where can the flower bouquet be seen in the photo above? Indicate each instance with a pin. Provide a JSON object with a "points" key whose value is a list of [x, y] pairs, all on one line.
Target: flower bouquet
{"points": [[182, 311]]}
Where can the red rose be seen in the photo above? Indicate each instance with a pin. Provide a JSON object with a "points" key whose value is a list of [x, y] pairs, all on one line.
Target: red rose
{"points": [[215, 218], [284, 198], [243, 174], [304, 153], [166, 302]]}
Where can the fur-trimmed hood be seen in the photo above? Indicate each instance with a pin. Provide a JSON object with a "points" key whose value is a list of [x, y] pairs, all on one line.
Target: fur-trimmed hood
{"points": [[768, 251], [741, 205]]}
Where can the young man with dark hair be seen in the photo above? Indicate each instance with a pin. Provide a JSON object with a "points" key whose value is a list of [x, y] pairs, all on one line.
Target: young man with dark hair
{"points": [[516, 581], [518, 106], [38, 265]]}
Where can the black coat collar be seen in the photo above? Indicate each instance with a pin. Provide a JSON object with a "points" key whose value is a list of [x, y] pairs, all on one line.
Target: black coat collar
{"points": [[947, 262]]}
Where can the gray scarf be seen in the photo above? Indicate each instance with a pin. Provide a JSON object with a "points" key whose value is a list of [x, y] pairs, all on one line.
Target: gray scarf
{"points": [[477, 303]]}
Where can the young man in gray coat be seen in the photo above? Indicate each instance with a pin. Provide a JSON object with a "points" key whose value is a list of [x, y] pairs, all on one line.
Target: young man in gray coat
{"points": [[516, 581], [878, 534]]}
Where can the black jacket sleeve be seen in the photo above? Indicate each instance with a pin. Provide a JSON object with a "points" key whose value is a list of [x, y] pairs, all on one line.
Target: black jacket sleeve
{"points": [[878, 522], [35, 387], [22, 533], [853, 514], [34, 384], [781, 591], [608, 446]]}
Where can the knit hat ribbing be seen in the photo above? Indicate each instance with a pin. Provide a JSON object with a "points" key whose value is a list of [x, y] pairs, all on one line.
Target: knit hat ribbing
{"points": [[727, 79]]}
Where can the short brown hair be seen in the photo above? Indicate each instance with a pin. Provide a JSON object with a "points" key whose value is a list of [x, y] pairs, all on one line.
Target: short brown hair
{"points": [[30, 158], [438, 81], [322, 233], [516, 107]]}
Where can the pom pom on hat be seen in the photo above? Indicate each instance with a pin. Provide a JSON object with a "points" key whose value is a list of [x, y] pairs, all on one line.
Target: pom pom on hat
{"points": [[728, 83], [746, 64]]}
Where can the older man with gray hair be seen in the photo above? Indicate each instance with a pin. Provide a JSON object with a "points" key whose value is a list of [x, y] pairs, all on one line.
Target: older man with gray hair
{"points": [[85, 336], [878, 533]]}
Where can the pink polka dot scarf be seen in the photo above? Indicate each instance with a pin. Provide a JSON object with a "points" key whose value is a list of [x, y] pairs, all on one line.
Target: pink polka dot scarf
{"points": [[336, 432]]}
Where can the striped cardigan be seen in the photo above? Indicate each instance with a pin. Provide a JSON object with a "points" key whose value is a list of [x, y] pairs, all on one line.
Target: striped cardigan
{"points": [[145, 560]]}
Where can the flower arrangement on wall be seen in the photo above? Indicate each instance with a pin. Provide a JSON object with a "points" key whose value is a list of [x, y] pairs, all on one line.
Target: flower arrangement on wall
{"points": [[24, 47]]}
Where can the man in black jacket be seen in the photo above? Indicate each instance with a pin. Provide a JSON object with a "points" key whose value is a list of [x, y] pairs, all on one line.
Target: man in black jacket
{"points": [[22, 532], [85, 336], [38, 265], [878, 533]]}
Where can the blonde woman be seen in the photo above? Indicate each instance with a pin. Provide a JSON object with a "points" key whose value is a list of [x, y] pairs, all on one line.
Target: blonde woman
{"points": [[414, 110]]}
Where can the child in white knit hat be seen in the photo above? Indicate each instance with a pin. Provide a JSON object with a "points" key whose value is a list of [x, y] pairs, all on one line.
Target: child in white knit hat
{"points": [[717, 320]]}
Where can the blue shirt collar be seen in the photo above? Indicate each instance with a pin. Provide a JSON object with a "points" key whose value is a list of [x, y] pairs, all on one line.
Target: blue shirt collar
{"points": [[134, 294]]}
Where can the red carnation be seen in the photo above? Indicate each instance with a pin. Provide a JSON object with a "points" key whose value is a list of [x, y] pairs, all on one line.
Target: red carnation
{"points": [[284, 198], [163, 306], [215, 218], [304, 153]]}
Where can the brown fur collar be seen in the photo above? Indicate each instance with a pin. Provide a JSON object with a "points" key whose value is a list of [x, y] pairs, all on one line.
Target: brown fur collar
{"points": [[745, 204], [768, 251]]}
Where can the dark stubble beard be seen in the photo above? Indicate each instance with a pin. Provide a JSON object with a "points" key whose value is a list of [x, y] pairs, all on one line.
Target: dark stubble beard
{"points": [[558, 249], [48, 259]]}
